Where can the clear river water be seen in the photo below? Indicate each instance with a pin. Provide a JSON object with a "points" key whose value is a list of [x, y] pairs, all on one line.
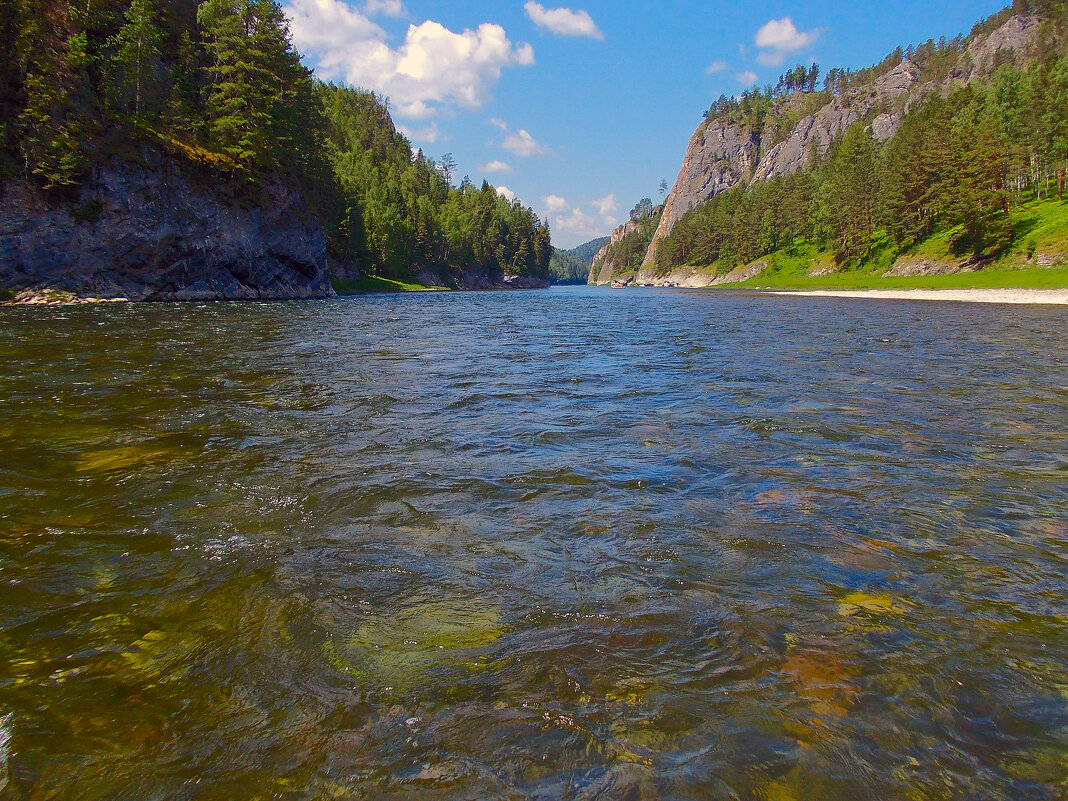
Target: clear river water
{"points": [[574, 544]]}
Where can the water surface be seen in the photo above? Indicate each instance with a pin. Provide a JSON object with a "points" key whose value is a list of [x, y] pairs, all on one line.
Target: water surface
{"points": [[574, 544]]}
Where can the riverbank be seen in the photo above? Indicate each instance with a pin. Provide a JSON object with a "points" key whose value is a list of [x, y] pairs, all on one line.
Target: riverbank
{"points": [[373, 285], [1051, 297], [50, 297]]}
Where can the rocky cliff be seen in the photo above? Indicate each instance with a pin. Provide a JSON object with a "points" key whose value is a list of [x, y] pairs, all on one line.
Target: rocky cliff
{"points": [[142, 230], [604, 270], [722, 155]]}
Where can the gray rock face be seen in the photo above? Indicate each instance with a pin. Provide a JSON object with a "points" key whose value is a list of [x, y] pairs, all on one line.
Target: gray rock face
{"points": [[477, 281], [719, 157], [603, 269], [1016, 35], [722, 156], [142, 231], [820, 129]]}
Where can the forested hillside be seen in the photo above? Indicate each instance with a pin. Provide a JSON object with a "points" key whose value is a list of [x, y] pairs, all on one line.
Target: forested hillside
{"points": [[626, 248], [959, 162], [573, 266], [217, 87], [952, 140]]}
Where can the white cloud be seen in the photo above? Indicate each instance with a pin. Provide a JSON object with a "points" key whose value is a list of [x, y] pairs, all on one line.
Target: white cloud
{"points": [[495, 166], [554, 204], [506, 193], [497, 122], [433, 67], [579, 223], [429, 134], [606, 205], [522, 144], [780, 37], [563, 21], [391, 8], [715, 66], [747, 78], [610, 221]]}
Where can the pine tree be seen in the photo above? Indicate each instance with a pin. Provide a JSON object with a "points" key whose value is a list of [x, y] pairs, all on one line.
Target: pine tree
{"points": [[53, 126], [242, 89], [849, 195], [12, 89], [135, 67], [977, 193]]}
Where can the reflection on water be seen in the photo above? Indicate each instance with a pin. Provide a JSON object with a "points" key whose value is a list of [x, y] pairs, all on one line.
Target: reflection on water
{"points": [[573, 544]]}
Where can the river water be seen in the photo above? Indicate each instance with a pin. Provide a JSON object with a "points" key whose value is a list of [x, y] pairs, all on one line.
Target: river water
{"points": [[572, 544]]}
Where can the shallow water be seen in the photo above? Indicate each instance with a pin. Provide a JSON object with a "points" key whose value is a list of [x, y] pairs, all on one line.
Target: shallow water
{"points": [[571, 544]]}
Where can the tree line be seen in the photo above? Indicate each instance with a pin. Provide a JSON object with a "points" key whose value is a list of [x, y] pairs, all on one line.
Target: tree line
{"points": [[219, 85], [957, 163], [757, 107]]}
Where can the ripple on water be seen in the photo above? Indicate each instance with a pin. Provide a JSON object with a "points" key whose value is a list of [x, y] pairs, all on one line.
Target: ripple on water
{"points": [[551, 545]]}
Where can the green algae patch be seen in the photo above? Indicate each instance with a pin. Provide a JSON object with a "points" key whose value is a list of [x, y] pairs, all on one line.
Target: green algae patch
{"points": [[629, 691], [161, 656], [858, 602], [374, 285], [399, 648], [124, 458]]}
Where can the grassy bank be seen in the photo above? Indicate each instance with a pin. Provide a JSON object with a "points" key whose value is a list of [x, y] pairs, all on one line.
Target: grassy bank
{"points": [[373, 285], [989, 278], [1041, 238]]}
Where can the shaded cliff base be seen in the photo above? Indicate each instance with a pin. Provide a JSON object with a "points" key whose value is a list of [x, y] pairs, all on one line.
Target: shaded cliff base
{"points": [[429, 282], [150, 227]]}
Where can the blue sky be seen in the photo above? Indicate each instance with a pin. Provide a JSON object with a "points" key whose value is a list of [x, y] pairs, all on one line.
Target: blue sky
{"points": [[581, 108]]}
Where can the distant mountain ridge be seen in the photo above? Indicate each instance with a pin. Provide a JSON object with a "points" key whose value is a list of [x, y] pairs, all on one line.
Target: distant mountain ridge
{"points": [[587, 251], [572, 266]]}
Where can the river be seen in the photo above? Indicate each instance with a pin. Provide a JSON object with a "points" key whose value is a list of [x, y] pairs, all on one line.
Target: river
{"points": [[571, 544]]}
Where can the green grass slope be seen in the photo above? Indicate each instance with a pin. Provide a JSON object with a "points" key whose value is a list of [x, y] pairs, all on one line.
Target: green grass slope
{"points": [[1037, 259]]}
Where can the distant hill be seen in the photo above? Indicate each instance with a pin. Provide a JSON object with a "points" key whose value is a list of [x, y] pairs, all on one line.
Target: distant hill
{"points": [[573, 266], [586, 252]]}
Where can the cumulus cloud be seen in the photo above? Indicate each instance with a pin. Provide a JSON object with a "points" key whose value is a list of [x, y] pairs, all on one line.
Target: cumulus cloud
{"points": [[506, 193], [554, 204], [606, 205], [429, 134], [495, 166], [747, 78], [563, 21], [391, 8], [715, 66], [522, 144], [578, 223], [432, 67], [778, 38]]}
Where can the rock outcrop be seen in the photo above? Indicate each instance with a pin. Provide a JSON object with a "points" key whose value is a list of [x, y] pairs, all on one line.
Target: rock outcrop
{"points": [[722, 155], [142, 230], [604, 270]]}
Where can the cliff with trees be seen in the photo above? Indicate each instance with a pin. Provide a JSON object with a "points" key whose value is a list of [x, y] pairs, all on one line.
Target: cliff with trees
{"points": [[164, 150], [622, 256], [947, 137]]}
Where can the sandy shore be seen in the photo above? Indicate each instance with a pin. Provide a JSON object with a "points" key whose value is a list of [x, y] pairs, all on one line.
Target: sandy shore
{"points": [[1057, 297]]}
